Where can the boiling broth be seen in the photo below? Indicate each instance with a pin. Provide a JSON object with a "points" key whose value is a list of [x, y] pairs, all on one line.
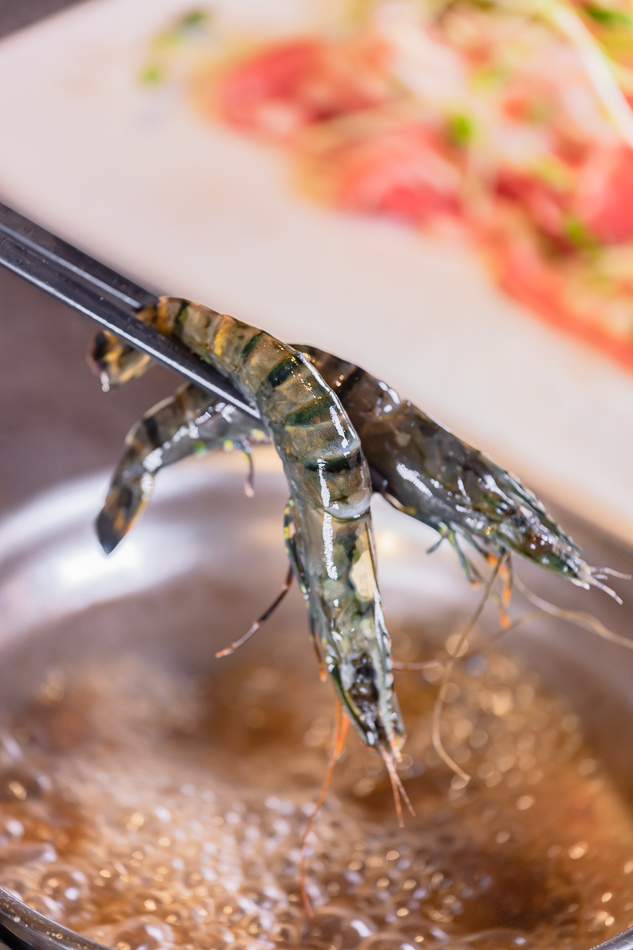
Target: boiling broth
{"points": [[153, 809]]}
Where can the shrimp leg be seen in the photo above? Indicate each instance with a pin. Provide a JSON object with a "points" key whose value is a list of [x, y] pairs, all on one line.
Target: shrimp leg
{"points": [[254, 627]]}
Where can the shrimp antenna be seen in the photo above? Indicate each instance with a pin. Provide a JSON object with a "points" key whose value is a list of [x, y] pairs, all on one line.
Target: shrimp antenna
{"points": [[475, 649], [479, 647], [436, 722], [578, 617], [341, 728], [260, 620], [397, 788]]}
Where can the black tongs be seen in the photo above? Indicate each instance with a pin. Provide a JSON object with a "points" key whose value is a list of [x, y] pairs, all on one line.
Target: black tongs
{"points": [[103, 295], [109, 299]]}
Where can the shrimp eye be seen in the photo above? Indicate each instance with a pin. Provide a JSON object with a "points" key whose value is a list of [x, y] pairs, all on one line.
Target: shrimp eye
{"points": [[535, 539], [538, 543], [364, 689]]}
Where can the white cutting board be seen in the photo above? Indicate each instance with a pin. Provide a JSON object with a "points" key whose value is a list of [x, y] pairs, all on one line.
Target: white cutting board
{"points": [[138, 179]]}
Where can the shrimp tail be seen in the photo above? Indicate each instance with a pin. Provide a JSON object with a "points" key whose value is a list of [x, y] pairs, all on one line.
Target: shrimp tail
{"points": [[122, 507]]}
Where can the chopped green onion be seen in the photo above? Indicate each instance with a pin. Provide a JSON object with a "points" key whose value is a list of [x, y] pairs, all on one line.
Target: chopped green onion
{"points": [[460, 129], [152, 74], [194, 19], [578, 234], [606, 17]]}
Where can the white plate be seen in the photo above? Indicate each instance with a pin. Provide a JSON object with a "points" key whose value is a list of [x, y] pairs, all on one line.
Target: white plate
{"points": [[136, 177]]}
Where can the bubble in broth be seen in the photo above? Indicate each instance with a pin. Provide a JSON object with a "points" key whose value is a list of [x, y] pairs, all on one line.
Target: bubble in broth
{"points": [[147, 809]]}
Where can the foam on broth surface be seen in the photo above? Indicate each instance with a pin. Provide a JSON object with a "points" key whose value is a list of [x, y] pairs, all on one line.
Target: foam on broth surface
{"points": [[150, 809]]}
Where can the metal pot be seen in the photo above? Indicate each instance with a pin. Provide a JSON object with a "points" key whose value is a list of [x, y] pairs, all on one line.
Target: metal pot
{"points": [[59, 593]]}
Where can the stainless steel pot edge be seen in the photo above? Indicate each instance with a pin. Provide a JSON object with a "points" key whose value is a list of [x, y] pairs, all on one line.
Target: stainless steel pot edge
{"points": [[25, 929], [22, 928], [623, 941]]}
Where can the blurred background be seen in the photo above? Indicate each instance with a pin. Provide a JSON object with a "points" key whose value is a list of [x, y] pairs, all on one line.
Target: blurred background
{"points": [[429, 190]]}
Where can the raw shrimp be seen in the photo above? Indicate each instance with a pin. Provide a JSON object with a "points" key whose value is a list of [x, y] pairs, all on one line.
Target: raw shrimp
{"points": [[424, 470], [427, 472], [328, 520]]}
